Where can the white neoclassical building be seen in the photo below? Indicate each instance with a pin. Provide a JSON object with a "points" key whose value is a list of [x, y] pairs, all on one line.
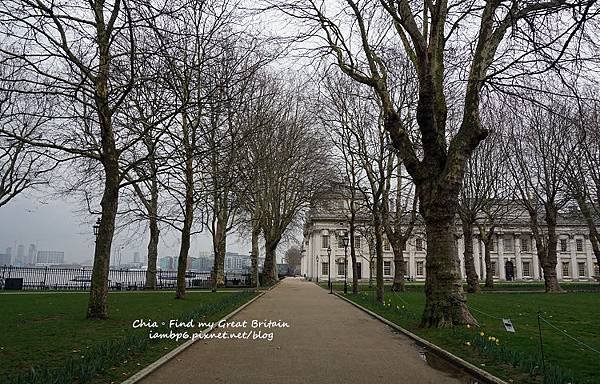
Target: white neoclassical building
{"points": [[512, 245]]}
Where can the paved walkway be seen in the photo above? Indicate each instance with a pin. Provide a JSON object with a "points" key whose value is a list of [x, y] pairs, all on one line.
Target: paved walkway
{"points": [[328, 341]]}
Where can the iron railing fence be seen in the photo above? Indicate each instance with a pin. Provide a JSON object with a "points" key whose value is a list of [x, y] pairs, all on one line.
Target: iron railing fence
{"points": [[56, 278]]}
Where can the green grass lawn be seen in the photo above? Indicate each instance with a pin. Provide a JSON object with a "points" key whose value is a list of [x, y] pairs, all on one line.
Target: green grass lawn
{"points": [[50, 330], [576, 313]]}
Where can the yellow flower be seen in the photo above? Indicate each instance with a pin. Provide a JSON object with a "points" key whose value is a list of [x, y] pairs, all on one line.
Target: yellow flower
{"points": [[468, 325], [481, 334], [468, 343]]}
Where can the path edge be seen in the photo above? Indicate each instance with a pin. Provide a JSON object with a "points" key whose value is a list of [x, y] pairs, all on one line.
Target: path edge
{"points": [[135, 378], [470, 368]]}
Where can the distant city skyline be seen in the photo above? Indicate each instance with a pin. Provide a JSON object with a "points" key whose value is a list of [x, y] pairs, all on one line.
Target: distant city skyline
{"points": [[53, 225]]}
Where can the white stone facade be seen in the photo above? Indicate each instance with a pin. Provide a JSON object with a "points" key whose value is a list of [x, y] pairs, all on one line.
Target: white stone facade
{"points": [[512, 243]]}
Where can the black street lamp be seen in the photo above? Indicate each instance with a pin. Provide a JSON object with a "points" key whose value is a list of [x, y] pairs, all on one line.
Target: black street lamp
{"points": [[345, 241], [329, 268], [317, 269], [96, 228]]}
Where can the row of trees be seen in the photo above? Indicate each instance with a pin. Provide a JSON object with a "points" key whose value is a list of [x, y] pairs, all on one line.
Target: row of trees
{"points": [[459, 53], [539, 161], [167, 115]]}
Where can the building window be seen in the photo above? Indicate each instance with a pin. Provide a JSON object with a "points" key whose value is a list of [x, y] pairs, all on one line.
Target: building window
{"points": [[340, 242], [494, 269], [492, 245], [386, 245], [404, 246], [419, 244], [508, 244], [527, 269], [579, 245], [581, 269], [387, 268], [340, 204], [565, 268], [524, 245], [325, 269], [563, 245], [324, 241], [340, 268], [357, 242], [596, 270], [420, 266]]}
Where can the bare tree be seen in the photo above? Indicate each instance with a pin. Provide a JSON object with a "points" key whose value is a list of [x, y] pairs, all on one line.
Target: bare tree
{"points": [[295, 169], [399, 223], [351, 119], [292, 257], [483, 203], [190, 37], [583, 177], [82, 57], [540, 156], [234, 76], [260, 115]]}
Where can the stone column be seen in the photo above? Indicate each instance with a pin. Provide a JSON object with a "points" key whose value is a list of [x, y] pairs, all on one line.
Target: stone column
{"points": [[518, 261], [412, 265], [536, 261], [482, 265], [559, 274], [500, 261], [477, 256], [589, 256], [460, 246], [573, 251]]}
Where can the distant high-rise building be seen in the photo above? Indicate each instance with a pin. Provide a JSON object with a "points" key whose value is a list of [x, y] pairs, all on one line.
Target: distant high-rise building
{"points": [[202, 264], [20, 259], [5, 259], [166, 263], [50, 257], [9, 251], [31, 256], [136, 257]]}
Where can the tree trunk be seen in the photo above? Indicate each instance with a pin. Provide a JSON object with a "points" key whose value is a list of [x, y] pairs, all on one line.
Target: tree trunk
{"points": [[218, 272], [98, 306], [270, 267], [152, 253], [378, 228], [472, 278], [489, 272], [188, 214], [254, 280], [183, 254], [219, 248], [399, 266], [353, 255], [445, 302], [548, 258]]}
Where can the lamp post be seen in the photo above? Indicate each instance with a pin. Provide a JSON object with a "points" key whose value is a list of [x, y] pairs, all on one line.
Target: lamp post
{"points": [[345, 241], [329, 268], [317, 269], [96, 228]]}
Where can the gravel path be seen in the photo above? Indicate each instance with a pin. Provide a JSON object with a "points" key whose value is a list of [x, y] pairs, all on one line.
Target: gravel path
{"points": [[327, 341]]}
